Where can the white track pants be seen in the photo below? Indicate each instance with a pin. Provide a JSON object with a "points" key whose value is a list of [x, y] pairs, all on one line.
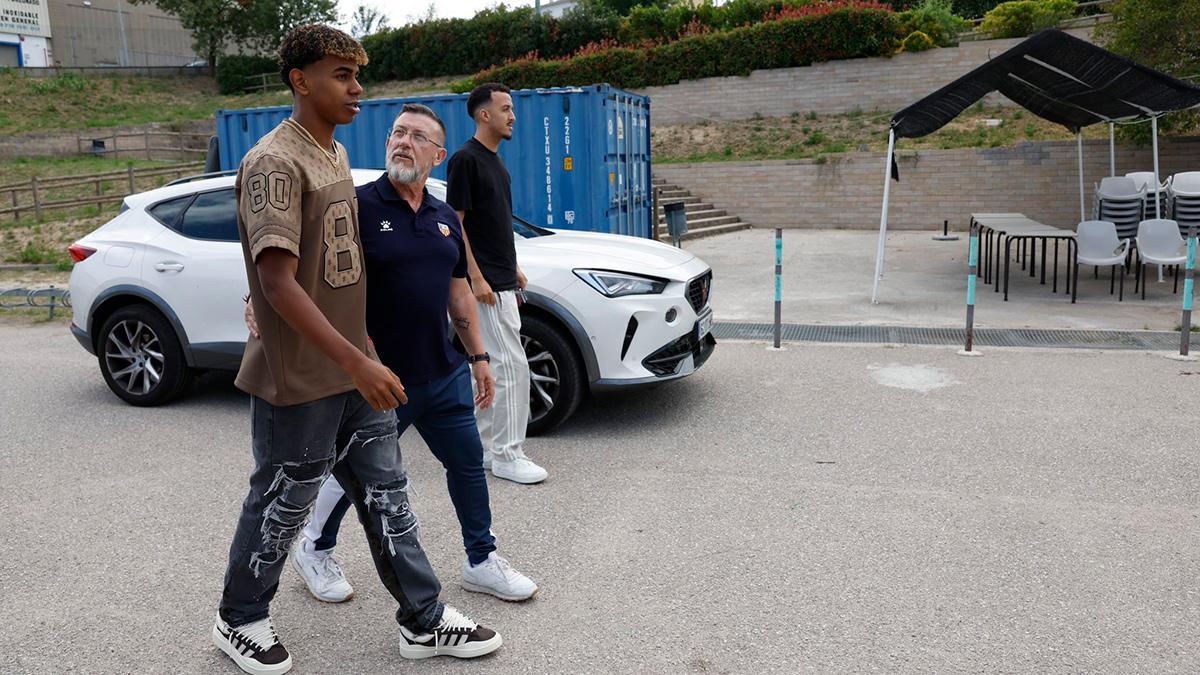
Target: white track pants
{"points": [[502, 426]]}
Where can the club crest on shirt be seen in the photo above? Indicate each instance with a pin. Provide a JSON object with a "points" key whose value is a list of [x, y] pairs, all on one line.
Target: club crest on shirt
{"points": [[385, 226], [444, 229]]}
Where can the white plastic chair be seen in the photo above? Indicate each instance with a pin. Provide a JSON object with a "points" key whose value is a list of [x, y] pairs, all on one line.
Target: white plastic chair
{"points": [[1120, 201], [1159, 243], [1096, 243], [1186, 184], [1118, 187], [1144, 180]]}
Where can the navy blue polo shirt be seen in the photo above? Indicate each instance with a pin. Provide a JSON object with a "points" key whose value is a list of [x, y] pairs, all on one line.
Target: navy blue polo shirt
{"points": [[410, 259]]}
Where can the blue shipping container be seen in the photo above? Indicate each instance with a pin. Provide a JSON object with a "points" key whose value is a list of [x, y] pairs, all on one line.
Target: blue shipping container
{"points": [[579, 157]]}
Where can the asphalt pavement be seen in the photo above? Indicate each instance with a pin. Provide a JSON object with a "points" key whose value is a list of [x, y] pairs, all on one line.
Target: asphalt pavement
{"points": [[820, 509]]}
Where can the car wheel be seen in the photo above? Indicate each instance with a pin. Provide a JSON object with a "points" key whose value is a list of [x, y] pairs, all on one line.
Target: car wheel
{"points": [[140, 356], [555, 378]]}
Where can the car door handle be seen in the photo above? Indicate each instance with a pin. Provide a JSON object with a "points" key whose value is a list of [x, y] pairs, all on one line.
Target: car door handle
{"points": [[169, 267]]}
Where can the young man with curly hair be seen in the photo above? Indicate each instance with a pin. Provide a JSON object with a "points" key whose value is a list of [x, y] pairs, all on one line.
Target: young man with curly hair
{"points": [[321, 402]]}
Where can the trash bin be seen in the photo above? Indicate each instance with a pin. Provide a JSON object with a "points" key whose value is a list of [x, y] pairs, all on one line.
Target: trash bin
{"points": [[676, 220]]}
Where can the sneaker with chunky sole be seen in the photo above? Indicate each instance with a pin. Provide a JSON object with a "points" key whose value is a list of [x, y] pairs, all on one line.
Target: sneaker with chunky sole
{"points": [[254, 647], [321, 572], [495, 576], [456, 635], [519, 470]]}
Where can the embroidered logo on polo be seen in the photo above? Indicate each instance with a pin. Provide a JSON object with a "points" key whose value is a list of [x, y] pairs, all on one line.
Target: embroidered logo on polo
{"points": [[385, 226], [444, 229]]}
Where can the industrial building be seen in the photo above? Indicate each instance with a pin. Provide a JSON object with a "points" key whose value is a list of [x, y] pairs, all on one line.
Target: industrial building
{"points": [[90, 33]]}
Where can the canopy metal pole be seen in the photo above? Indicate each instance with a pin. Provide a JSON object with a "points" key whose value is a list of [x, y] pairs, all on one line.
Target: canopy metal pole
{"points": [[1079, 144], [887, 190], [1112, 150], [1157, 196]]}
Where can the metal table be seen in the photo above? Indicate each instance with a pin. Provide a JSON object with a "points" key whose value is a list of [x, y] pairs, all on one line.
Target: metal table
{"points": [[1026, 232]]}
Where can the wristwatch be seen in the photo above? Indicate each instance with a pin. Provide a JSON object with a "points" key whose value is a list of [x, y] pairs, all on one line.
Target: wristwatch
{"points": [[476, 358]]}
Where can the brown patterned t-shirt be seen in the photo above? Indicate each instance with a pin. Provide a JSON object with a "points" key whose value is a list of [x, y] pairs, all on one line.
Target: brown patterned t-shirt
{"points": [[294, 195]]}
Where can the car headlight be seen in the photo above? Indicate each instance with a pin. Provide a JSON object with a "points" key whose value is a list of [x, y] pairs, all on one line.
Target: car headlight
{"points": [[616, 284]]}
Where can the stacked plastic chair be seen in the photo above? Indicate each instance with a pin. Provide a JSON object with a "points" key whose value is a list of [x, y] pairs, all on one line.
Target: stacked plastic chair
{"points": [[1120, 202], [1145, 181], [1185, 200]]}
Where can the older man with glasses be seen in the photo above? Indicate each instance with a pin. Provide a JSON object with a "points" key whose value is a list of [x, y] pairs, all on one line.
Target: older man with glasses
{"points": [[416, 269]]}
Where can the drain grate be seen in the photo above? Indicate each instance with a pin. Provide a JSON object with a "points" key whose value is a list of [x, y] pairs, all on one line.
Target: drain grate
{"points": [[984, 337]]}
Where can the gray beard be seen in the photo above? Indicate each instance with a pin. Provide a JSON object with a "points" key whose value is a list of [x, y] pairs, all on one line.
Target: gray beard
{"points": [[405, 175]]}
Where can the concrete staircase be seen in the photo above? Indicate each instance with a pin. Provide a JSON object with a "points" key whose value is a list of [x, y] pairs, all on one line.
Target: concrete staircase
{"points": [[703, 219]]}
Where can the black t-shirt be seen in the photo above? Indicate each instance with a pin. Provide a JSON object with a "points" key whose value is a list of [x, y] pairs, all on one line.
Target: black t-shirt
{"points": [[410, 260], [478, 185]]}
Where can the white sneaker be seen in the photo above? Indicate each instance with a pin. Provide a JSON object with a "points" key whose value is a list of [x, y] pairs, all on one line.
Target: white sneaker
{"points": [[321, 572], [520, 470], [456, 635], [496, 577]]}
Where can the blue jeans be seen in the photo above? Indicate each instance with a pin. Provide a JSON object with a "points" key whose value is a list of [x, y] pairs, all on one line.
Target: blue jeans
{"points": [[296, 448], [443, 411]]}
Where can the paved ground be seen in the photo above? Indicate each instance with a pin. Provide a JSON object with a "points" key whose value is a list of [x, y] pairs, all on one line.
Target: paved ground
{"points": [[827, 280], [820, 509]]}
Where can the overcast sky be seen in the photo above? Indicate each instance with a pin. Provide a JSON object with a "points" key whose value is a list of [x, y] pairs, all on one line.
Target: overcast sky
{"points": [[400, 13]]}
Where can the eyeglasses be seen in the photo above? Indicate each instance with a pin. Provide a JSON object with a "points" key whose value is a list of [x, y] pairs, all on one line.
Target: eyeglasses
{"points": [[417, 137]]}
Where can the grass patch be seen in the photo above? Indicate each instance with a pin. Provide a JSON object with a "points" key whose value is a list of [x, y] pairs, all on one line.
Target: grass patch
{"points": [[73, 102]]}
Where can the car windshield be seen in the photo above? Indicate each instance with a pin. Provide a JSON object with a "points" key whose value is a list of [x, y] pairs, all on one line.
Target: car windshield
{"points": [[527, 229]]}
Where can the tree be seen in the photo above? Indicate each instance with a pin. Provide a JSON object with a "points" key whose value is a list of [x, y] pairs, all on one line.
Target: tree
{"points": [[1161, 35], [367, 21], [256, 25], [268, 21], [213, 23], [1158, 34]]}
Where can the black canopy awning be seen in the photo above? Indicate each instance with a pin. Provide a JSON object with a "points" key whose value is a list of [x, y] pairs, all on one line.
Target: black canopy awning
{"points": [[1058, 77]]}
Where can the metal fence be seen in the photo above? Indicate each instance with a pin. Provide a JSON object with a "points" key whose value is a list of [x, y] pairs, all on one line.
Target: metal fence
{"points": [[44, 298]]}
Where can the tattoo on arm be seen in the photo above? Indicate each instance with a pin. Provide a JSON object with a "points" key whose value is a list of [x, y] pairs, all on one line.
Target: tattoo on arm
{"points": [[460, 322]]}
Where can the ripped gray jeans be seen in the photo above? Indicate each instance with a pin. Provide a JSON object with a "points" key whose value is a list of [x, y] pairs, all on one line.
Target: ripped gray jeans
{"points": [[295, 449]]}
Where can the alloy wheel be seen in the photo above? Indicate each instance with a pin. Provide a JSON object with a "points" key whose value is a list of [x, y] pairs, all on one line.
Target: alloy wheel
{"points": [[134, 356], [544, 378]]}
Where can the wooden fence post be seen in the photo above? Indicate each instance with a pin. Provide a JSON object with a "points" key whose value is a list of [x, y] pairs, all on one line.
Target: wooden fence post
{"points": [[37, 203], [16, 214], [146, 137], [131, 188]]}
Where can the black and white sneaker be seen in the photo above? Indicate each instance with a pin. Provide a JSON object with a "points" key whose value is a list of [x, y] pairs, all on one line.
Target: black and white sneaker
{"points": [[254, 647], [455, 635]]}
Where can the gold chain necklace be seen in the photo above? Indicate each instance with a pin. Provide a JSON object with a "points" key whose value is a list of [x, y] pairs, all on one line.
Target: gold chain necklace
{"points": [[331, 156]]}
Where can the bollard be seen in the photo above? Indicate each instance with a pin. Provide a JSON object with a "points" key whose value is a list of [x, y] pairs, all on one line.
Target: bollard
{"points": [[945, 235], [52, 299], [972, 275], [1185, 324], [778, 286]]}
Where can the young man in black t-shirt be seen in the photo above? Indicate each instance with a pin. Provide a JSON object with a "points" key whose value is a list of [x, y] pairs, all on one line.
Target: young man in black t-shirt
{"points": [[479, 191]]}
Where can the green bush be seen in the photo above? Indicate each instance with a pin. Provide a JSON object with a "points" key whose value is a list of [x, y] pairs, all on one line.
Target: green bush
{"points": [[232, 71], [916, 42], [454, 46], [1025, 17], [838, 34], [973, 9], [936, 20]]}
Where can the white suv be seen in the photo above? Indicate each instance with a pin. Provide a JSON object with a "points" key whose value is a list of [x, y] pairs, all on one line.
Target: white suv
{"points": [[157, 294]]}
